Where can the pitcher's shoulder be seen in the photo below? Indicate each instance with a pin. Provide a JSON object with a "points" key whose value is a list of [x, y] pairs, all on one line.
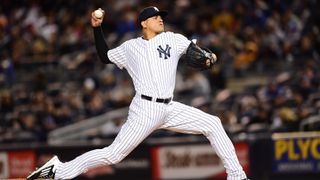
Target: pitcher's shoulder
{"points": [[167, 33], [172, 35]]}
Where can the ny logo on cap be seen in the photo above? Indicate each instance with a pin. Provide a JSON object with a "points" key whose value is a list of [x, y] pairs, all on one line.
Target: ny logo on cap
{"points": [[165, 52], [155, 8]]}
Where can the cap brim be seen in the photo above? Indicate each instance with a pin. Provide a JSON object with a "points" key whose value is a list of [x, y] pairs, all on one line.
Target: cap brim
{"points": [[162, 13]]}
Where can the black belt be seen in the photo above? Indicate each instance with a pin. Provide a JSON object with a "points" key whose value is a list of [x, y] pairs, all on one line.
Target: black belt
{"points": [[159, 100]]}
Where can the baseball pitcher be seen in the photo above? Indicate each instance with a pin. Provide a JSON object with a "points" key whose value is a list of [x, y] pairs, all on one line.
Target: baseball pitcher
{"points": [[151, 60]]}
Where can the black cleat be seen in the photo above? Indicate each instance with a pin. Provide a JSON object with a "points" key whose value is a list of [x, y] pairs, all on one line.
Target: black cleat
{"points": [[47, 171]]}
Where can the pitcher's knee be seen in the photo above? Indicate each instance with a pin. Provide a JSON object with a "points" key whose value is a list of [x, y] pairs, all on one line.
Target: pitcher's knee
{"points": [[116, 158], [113, 157], [216, 119], [213, 124]]}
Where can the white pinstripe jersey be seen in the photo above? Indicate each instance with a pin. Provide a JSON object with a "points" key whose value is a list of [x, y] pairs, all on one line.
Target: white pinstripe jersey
{"points": [[152, 64]]}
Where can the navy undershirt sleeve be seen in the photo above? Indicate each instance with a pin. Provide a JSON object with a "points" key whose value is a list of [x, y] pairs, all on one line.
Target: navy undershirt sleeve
{"points": [[101, 45]]}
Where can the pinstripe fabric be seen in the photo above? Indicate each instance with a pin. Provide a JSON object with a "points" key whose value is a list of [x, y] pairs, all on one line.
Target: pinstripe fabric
{"points": [[145, 117], [152, 66], [151, 74], [186, 119]]}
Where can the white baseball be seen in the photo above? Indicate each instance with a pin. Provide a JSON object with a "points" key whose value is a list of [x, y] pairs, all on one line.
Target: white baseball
{"points": [[214, 56], [98, 13]]}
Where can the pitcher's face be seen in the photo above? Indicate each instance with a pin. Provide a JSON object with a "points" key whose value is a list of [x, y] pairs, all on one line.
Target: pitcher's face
{"points": [[154, 24]]}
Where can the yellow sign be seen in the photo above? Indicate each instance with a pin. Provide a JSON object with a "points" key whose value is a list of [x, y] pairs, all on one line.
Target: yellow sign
{"points": [[297, 149]]}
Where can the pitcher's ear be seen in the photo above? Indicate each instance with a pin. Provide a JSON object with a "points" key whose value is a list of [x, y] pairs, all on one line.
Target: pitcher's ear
{"points": [[143, 24]]}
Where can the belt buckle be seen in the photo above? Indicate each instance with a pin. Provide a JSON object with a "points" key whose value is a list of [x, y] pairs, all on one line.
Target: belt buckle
{"points": [[166, 101]]}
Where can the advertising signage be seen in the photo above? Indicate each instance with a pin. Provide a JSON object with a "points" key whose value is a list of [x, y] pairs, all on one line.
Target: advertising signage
{"points": [[192, 161], [296, 152]]}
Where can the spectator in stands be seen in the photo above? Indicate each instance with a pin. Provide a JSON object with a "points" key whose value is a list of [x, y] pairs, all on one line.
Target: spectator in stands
{"points": [[6, 103], [245, 58], [95, 105], [29, 129]]}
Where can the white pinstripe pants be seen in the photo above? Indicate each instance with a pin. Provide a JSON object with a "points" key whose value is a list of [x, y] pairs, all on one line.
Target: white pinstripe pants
{"points": [[145, 117]]}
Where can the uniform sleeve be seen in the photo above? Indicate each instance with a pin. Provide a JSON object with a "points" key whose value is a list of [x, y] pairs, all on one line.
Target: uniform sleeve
{"points": [[182, 43], [118, 56]]}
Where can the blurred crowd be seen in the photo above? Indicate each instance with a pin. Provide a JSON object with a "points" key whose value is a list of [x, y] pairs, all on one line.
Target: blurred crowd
{"points": [[50, 74]]}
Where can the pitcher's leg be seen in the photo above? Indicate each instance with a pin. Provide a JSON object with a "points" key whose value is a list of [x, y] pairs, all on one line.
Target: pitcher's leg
{"points": [[225, 149], [130, 135], [186, 119]]}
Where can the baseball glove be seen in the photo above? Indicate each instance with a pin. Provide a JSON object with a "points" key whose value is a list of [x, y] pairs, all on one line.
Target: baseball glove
{"points": [[198, 58]]}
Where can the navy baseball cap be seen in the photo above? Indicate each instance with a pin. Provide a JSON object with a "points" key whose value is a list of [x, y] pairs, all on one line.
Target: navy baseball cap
{"points": [[149, 12]]}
